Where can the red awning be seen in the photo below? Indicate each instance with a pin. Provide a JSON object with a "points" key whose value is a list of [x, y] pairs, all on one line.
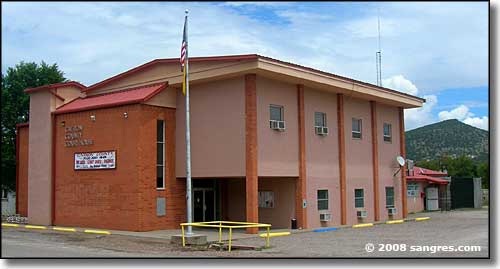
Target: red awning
{"points": [[429, 179], [125, 97]]}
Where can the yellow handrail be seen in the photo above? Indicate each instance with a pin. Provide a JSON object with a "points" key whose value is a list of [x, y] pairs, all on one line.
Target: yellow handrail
{"points": [[220, 224]]}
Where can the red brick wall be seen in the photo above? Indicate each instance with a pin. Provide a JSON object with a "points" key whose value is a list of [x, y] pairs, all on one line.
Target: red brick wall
{"points": [[175, 189], [123, 198], [22, 170]]}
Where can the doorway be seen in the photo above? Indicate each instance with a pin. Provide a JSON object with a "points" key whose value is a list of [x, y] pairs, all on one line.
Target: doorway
{"points": [[203, 204]]}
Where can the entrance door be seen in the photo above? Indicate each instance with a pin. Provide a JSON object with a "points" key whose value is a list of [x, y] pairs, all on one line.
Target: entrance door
{"points": [[432, 196], [203, 205]]}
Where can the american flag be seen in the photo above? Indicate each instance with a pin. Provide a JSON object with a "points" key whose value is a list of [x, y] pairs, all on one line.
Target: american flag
{"points": [[184, 46]]}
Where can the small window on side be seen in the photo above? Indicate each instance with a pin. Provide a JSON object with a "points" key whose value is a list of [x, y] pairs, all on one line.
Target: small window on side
{"points": [[276, 112], [319, 119], [160, 154], [356, 128], [389, 197], [322, 199], [359, 198], [387, 132]]}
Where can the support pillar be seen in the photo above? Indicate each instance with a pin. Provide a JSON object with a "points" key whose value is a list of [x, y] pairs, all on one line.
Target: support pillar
{"points": [[342, 164], [252, 178], [373, 106], [300, 187], [403, 154]]}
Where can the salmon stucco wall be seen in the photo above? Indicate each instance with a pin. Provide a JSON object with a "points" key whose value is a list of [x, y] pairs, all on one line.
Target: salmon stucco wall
{"points": [[387, 152], [42, 103], [22, 170], [284, 208], [416, 203], [278, 151], [217, 129], [359, 173], [322, 157]]}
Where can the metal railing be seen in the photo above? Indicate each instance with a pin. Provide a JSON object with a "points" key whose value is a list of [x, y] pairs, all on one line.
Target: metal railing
{"points": [[220, 224]]}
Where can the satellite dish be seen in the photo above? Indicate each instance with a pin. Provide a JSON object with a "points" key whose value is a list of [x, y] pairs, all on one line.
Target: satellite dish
{"points": [[400, 160]]}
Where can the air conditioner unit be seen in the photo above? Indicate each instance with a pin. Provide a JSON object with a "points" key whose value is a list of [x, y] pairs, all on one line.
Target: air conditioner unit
{"points": [[392, 211], [325, 217], [362, 214], [277, 125], [320, 130]]}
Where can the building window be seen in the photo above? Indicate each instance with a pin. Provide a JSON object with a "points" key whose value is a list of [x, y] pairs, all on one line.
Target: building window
{"points": [[356, 128], [359, 198], [322, 199], [319, 119], [276, 117], [389, 197], [266, 199], [4, 194], [160, 154], [387, 132], [412, 189]]}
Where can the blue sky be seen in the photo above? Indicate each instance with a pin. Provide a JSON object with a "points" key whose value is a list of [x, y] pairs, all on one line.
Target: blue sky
{"points": [[438, 51]]}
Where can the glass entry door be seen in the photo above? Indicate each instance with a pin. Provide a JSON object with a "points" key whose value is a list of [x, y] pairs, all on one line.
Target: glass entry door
{"points": [[203, 204]]}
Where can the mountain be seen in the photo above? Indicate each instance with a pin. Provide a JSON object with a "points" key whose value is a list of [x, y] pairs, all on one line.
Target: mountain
{"points": [[447, 138]]}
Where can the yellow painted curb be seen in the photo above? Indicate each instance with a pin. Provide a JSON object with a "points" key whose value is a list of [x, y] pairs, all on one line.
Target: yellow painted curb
{"points": [[64, 229], [422, 219], [35, 227], [96, 232], [395, 221], [362, 225], [10, 225], [274, 234]]}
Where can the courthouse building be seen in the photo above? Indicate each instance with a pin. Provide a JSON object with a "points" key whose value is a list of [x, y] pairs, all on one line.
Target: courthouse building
{"points": [[271, 141]]}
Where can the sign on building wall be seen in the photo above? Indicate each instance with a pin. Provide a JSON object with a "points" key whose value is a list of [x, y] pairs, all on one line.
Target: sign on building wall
{"points": [[95, 160], [266, 199]]}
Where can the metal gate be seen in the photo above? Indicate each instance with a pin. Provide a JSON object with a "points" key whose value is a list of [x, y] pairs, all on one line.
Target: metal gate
{"points": [[462, 193]]}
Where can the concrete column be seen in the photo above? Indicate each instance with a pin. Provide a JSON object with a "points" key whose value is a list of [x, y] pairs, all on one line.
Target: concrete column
{"points": [[376, 189], [342, 164], [403, 154]]}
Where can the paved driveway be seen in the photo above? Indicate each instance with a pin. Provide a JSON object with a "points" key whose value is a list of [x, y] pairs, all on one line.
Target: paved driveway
{"points": [[447, 231]]}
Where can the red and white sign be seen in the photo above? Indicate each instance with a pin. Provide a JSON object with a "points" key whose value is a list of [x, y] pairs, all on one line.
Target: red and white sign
{"points": [[95, 160]]}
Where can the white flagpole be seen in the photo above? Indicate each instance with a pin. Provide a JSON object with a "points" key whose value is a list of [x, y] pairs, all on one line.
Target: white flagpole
{"points": [[188, 141]]}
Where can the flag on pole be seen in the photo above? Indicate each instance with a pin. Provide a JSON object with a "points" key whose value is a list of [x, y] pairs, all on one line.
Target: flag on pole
{"points": [[184, 57]]}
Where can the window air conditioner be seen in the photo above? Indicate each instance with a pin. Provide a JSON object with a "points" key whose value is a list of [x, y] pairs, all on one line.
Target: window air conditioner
{"points": [[392, 211], [325, 217], [277, 125], [362, 214], [320, 130]]}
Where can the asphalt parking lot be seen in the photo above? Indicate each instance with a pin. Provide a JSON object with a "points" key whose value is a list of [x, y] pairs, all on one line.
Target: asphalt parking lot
{"points": [[448, 234]]}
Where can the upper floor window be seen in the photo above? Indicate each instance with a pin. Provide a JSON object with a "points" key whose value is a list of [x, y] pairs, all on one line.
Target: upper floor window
{"points": [[320, 123], [387, 132], [276, 117], [356, 128], [359, 198], [160, 154], [322, 199]]}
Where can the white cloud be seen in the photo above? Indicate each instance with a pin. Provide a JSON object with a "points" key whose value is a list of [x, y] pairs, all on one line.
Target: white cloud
{"points": [[417, 117], [463, 114], [460, 113], [400, 83], [478, 122]]}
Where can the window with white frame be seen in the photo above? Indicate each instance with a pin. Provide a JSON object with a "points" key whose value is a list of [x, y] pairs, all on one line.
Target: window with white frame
{"points": [[359, 198], [387, 132], [160, 154], [276, 112], [319, 119], [322, 199], [389, 197], [356, 128], [412, 189]]}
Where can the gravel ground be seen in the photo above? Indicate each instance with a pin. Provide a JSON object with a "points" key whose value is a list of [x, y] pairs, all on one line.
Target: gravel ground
{"points": [[456, 228]]}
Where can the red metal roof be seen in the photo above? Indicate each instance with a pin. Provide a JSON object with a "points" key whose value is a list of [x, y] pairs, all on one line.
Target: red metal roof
{"points": [[125, 97], [427, 178], [428, 172]]}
